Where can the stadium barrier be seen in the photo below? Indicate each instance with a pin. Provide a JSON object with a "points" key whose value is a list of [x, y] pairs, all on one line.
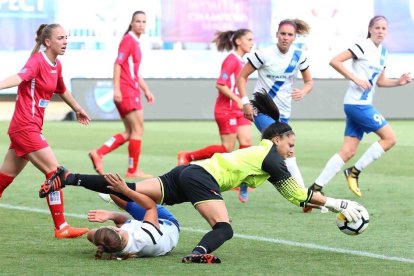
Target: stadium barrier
{"points": [[193, 99]]}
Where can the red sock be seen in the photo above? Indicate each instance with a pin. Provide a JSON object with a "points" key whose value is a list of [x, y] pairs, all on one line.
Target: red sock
{"points": [[206, 152], [244, 146], [134, 151], [5, 181], [56, 206], [113, 143]]}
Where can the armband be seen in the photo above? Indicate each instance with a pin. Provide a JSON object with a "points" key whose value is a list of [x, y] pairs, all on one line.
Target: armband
{"points": [[245, 100]]}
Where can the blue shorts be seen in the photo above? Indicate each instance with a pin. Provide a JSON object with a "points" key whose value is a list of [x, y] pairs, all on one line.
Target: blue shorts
{"points": [[362, 118], [138, 213], [262, 121]]}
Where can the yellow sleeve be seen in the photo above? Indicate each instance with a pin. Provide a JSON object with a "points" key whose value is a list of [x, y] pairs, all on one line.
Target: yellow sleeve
{"points": [[292, 191]]}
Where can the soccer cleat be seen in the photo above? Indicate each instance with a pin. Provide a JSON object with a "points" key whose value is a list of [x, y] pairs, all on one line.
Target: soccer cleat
{"points": [[69, 232], [201, 259], [307, 209], [138, 174], [351, 175], [182, 158], [96, 159], [243, 193], [54, 183], [106, 197]]}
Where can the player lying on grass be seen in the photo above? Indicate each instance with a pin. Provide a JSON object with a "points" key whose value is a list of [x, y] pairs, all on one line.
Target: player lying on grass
{"points": [[202, 182], [154, 231]]}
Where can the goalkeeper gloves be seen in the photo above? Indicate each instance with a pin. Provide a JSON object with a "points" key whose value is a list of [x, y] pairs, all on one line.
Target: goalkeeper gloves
{"points": [[350, 209]]}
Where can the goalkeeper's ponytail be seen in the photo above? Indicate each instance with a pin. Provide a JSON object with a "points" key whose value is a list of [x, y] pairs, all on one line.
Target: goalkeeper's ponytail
{"points": [[265, 105]]}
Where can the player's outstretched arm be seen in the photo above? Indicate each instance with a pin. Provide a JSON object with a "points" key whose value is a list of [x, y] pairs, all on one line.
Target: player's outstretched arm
{"points": [[104, 215], [119, 185], [350, 209]]}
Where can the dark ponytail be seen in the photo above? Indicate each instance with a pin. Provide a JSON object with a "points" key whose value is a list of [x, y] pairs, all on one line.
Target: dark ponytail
{"points": [[132, 20], [227, 40], [264, 104]]}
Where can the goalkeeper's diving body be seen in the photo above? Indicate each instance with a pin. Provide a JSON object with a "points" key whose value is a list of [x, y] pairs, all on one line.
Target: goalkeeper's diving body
{"points": [[202, 182]]}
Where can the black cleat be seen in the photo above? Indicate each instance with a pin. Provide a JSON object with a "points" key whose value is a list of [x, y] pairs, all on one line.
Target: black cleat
{"points": [[55, 182], [201, 259]]}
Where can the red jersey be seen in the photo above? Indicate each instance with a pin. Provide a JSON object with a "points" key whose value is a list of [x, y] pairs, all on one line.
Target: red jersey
{"points": [[40, 79], [129, 58], [230, 68]]}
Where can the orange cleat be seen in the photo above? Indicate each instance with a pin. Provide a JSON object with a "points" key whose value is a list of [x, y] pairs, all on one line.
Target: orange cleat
{"points": [[69, 232], [182, 158], [138, 174], [97, 161]]}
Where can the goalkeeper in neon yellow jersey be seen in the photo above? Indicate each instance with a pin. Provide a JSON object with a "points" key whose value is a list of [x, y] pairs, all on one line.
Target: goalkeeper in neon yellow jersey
{"points": [[202, 182]]}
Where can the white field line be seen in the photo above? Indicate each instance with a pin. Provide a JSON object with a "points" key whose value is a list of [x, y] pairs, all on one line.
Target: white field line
{"points": [[247, 237]]}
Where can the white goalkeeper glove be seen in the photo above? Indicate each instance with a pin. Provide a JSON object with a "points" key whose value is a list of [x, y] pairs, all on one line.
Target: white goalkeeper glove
{"points": [[350, 209]]}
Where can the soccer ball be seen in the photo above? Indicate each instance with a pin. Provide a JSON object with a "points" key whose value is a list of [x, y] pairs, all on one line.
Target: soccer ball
{"points": [[353, 228]]}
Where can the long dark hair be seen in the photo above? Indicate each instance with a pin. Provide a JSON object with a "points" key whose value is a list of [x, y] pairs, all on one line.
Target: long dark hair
{"points": [[132, 20], [264, 104]]}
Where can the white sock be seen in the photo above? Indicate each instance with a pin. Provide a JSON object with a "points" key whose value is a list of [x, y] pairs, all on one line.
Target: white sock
{"points": [[332, 167], [294, 170], [374, 152]]}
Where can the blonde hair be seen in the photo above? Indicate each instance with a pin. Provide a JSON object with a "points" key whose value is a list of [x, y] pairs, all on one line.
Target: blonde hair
{"points": [[107, 240], [301, 27], [43, 32]]}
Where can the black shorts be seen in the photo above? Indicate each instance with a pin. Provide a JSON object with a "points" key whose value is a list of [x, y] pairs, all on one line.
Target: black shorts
{"points": [[189, 183]]}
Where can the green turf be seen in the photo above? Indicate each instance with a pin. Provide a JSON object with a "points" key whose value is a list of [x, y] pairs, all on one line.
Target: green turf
{"points": [[272, 237]]}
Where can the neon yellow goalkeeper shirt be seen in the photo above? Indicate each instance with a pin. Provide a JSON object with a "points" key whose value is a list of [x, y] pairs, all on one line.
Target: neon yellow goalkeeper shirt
{"points": [[253, 166]]}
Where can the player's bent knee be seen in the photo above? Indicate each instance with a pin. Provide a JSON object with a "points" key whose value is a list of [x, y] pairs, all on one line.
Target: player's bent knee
{"points": [[225, 229]]}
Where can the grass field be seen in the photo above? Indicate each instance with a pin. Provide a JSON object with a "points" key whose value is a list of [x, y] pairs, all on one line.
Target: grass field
{"points": [[272, 237]]}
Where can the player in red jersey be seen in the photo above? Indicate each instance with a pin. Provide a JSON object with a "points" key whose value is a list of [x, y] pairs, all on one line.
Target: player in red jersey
{"points": [[228, 108], [37, 81], [127, 98]]}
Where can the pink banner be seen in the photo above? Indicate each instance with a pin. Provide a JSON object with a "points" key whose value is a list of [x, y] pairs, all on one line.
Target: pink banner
{"points": [[197, 21]]}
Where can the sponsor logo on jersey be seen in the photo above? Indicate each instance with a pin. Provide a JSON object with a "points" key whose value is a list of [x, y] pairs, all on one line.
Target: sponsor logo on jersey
{"points": [[277, 77], [43, 103], [53, 71], [23, 71]]}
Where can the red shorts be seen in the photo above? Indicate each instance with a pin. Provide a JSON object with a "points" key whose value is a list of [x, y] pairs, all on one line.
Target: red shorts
{"points": [[229, 122], [24, 142], [128, 104]]}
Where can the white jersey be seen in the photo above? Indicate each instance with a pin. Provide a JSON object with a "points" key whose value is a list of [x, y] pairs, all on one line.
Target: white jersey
{"points": [[368, 63], [276, 73], [145, 240]]}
